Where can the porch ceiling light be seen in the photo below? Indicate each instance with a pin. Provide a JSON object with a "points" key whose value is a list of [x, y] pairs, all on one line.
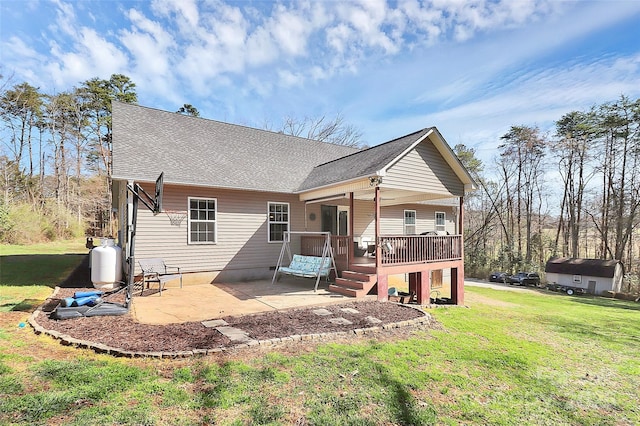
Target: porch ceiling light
{"points": [[375, 180]]}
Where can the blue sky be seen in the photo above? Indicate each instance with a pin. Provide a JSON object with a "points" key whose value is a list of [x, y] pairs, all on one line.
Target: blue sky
{"points": [[471, 68]]}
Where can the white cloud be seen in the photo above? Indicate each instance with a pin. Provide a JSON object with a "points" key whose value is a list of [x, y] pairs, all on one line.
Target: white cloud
{"points": [[419, 20], [93, 56], [338, 37], [15, 46], [150, 45], [186, 11], [358, 26], [25, 61], [65, 19], [261, 48], [259, 86], [217, 46], [290, 30], [290, 79], [151, 48], [539, 97]]}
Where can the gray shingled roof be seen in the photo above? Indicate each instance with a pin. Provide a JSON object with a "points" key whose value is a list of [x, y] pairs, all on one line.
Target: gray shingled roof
{"points": [[196, 151], [360, 164], [576, 266]]}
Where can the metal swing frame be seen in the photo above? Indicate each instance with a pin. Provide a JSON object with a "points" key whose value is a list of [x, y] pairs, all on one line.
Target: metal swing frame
{"points": [[327, 252]]}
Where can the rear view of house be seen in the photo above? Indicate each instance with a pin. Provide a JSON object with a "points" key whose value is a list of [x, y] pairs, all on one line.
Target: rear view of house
{"points": [[231, 192]]}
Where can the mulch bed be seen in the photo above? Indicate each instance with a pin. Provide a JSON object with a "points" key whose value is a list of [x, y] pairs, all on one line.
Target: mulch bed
{"points": [[124, 333]]}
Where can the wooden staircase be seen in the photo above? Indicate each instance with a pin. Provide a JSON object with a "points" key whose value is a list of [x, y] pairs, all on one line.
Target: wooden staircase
{"points": [[356, 282]]}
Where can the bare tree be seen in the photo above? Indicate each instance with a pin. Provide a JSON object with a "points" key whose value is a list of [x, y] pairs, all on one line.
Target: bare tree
{"points": [[619, 207], [521, 156], [97, 95], [59, 127], [20, 108], [577, 133], [323, 129]]}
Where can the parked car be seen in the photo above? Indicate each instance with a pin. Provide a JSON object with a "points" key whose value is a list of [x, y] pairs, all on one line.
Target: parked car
{"points": [[497, 277], [524, 278]]}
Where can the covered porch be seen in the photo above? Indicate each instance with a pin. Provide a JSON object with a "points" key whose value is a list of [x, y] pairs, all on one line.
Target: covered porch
{"points": [[420, 258], [400, 211]]}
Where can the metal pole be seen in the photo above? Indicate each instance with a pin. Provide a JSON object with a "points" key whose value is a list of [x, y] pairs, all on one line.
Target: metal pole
{"points": [[132, 245]]}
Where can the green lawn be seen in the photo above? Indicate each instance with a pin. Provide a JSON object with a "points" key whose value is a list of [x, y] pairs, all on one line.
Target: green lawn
{"points": [[512, 358], [57, 247], [29, 273]]}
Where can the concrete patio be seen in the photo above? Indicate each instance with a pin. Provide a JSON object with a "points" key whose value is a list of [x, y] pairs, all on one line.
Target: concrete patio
{"points": [[211, 301]]}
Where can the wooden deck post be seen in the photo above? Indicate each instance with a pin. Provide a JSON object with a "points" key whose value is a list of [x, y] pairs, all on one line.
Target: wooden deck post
{"points": [[424, 293], [457, 274], [383, 283], [383, 287], [457, 285], [420, 284]]}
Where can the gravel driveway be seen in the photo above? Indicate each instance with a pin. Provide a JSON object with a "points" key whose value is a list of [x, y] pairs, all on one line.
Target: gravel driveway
{"points": [[497, 286]]}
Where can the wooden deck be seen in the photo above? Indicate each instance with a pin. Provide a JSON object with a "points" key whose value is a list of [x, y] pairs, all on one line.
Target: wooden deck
{"points": [[416, 255]]}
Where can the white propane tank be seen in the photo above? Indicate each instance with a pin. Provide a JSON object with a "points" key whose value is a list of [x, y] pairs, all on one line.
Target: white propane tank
{"points": [[106, 264]]}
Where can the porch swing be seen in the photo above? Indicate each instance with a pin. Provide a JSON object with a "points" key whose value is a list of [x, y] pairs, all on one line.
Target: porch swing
{"points": [[306, 266]]}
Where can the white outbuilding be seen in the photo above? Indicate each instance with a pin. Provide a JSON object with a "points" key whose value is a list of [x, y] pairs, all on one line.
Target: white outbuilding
{"points": [[595, 276]]}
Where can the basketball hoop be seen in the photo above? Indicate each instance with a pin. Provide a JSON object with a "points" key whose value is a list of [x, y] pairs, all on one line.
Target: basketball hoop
{"points": [[175, 217]]}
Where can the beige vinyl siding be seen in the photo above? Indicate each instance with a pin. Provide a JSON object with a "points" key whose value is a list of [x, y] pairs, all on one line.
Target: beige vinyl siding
{"points": [[423, 169], [315, 209], [241, 242], [242, 233], [392, 222]]}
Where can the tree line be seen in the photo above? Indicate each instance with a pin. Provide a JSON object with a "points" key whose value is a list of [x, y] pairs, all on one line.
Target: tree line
{"points": [[571, 192], [55, 162]]}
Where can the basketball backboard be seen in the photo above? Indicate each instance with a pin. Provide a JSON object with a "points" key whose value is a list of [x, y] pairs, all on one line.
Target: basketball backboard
{"points": [[157, 200]]}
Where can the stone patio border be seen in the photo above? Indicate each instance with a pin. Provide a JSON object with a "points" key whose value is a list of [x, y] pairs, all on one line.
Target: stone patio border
{"points": [[104, 349]]}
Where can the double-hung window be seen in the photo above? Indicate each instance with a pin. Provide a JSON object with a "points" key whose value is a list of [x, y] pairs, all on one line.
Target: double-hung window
{"points": [[409, 222], [202, 220], [440, 221], [278, 220]]}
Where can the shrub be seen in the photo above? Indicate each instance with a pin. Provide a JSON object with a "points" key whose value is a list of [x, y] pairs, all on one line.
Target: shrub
{"points": [[21, 223]]}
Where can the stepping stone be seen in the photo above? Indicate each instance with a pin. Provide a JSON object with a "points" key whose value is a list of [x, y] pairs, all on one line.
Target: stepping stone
{"points": [[350, 310], [372, 320], [322, 312], [214, 323], [340, 320], [235, 334]]}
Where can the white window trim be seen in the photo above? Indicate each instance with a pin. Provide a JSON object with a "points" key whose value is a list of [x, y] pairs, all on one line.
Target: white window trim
{"points": [[189, 220], [443, 227], [404, 222], [269, 203]]}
